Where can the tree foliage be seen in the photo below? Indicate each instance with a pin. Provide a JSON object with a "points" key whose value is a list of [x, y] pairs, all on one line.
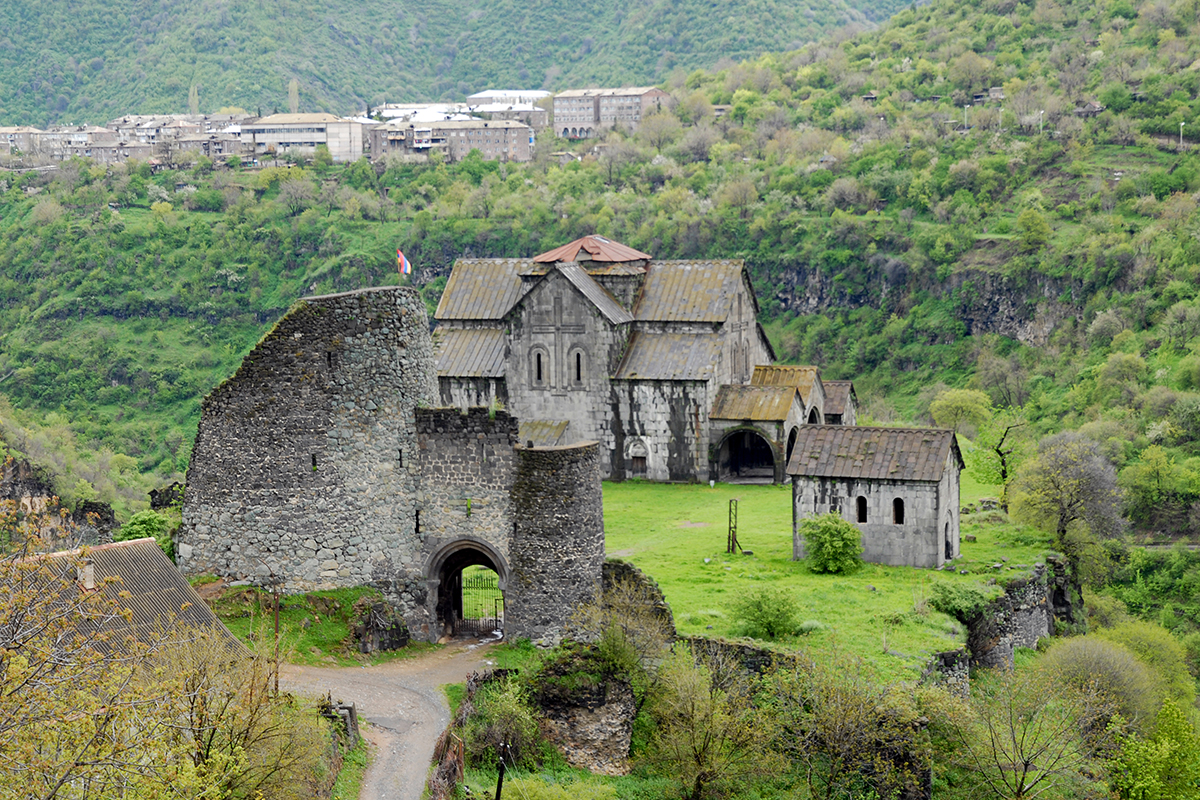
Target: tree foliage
{"points": [[1069, 484]]}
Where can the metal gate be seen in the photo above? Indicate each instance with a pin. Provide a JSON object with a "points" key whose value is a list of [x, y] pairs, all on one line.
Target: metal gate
{"points": [[482, 603]]}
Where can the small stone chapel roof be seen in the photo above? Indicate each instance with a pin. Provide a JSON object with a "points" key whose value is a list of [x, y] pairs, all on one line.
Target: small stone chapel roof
{"points": [[766, 403], [837, 396], [592, 248], [853, 451], [803, 378]]}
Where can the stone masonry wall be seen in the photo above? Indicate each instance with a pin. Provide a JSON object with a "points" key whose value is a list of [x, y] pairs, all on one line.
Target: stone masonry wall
{"points": [[305, 461], [671, 419], [557, 547], [1018, 618], [916, 543], [467, 466]]}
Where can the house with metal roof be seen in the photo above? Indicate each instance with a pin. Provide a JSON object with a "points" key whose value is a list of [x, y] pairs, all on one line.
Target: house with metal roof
{"points": [[900, 486], [142, 582], [597, 341]]}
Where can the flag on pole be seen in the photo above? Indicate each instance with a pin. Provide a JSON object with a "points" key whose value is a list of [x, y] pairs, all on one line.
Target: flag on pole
{"points": [[403, 263]]}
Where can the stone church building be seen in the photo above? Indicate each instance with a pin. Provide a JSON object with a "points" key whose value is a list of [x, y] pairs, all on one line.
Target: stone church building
{"points": [[900, 486], [662, 362]]}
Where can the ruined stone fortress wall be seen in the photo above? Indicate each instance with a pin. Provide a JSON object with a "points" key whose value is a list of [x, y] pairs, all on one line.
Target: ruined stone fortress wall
{"points": [[320, 462], [305, 463], [558, 536]]}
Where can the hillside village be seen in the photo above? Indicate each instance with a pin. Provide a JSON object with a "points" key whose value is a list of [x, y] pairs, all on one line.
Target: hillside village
{"points": [[501, 124]]}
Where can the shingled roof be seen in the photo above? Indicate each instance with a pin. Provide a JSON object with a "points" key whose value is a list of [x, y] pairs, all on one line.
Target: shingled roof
{"points": [[670, 356], [482, 288], [471, 353], [149, 586], [803, 378], [851, 451], [689, 291], [837, 396], [591, 248], [767, 403]]}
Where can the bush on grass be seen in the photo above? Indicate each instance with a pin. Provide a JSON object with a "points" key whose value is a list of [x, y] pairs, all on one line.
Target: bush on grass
{"points": [[1094, 665], [833, 544], [765, 612]]}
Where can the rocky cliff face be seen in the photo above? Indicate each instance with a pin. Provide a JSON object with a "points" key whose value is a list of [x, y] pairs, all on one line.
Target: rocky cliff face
{"points": [[31, 489], [1026, 309]]}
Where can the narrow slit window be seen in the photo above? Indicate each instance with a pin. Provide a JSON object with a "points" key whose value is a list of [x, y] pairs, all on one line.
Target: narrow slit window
{"points": [[329, 358], [418, 521], [898, 511], [862, 509], [538, 361], [313, 456], [579, 367]]}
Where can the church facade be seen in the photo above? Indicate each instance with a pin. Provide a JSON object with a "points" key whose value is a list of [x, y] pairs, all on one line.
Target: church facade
{"points": [[655, 360]]}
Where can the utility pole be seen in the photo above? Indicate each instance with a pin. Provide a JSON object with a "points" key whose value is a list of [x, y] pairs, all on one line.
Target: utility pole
{"points": [[500, 770], [1181, 135]]}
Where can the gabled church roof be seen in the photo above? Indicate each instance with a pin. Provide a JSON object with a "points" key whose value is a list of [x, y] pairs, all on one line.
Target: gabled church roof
{"points": [[470, 353], [766, 403], [591, 248], [149, 587], [689, 291], [852, 451], [670, 356], [481, 288], [600, 297]]}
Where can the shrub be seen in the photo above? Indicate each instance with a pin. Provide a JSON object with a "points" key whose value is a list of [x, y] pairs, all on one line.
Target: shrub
{"points": [[765, 613], [1161, 652], [833, 544], [502, 715], [1105, 611], [1090, 664], [535, 789]]}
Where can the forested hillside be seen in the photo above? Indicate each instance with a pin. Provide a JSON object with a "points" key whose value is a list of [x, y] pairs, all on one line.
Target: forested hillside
{"points": [[88, 60], [1047, 259]]}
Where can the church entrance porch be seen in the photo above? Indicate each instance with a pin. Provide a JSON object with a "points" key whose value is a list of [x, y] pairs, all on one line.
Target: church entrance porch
{"points": [[466, 581], [746, 457]]}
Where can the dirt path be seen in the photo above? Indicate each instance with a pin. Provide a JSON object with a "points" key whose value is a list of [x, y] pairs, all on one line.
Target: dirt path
{"points": [[405, 706]]}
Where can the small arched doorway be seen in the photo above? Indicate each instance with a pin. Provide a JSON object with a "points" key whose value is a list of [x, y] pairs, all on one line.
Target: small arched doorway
{"points": [[791, 445], [746, 457], [467, 579]]}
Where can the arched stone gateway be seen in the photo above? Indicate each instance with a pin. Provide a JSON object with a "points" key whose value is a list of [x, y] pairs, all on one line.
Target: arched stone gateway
{"points": [[444, 581], [746, 456]]}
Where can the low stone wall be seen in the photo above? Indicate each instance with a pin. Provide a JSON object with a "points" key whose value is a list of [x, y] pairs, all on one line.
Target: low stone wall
{"points": [[616, 570], [1031, 608], [951, 670], [557, 545]]}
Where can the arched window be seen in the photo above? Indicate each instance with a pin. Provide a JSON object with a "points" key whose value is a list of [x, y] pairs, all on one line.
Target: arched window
{"points": [[576, 364], [898, 511], [813, 418], [862, 509], [539, 368]]}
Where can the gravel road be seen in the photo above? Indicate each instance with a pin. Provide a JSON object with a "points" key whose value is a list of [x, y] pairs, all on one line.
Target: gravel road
{"points": [[405, 706]]}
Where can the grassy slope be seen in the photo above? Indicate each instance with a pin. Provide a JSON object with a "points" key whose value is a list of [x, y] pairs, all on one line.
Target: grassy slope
{"points": [[677, 534]]}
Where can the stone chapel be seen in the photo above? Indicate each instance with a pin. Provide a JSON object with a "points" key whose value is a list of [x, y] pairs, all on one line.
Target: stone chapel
{"points": [[663, 362]]}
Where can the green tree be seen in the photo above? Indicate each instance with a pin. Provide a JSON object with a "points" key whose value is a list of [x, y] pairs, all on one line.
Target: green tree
{"points": [[831, 543], [710, 733], [1165, 766], [953, 407], [147, 525], [1032, 230], [1001, 447], [1070, 487]]}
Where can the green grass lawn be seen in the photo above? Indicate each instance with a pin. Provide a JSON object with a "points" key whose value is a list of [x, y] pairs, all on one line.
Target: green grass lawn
{"points": [[677, 535]]}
